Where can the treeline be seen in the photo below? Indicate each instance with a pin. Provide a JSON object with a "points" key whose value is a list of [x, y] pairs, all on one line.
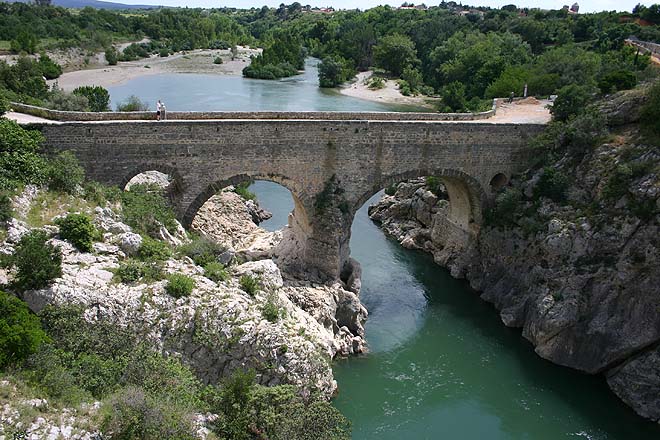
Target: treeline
{"points": [[463, 55]]}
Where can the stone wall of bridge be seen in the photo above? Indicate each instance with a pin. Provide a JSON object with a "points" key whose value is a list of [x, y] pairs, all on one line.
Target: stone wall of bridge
{"points": [[331, 167]]}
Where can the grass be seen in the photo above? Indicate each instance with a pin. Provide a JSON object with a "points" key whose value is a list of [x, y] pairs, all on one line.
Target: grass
{"points": [[5, 44], [50, 204]]}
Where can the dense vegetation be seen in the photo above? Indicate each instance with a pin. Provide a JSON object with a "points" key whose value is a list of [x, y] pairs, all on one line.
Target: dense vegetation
{"points": [[464, 55]]}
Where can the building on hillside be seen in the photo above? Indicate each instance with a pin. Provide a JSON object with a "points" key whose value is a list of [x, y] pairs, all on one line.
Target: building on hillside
{"points": [[573, 9]]}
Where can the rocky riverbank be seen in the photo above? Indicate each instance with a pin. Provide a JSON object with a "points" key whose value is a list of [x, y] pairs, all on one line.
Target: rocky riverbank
{"points": [[219, 328], [579, 273]]}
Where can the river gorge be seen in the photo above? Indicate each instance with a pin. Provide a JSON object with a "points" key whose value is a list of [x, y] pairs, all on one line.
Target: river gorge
{"points": [[440, 359]]}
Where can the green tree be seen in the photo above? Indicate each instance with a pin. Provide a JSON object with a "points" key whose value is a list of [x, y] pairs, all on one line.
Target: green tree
{"points": [[20, 331], [650, 117], [453, 98], [79, 230], [65, 173], [24, 42], [333, 71], [111, 56], [97, 97], [394, 53], [571, 99], [20, 161], [37, 263], [49, 68]]}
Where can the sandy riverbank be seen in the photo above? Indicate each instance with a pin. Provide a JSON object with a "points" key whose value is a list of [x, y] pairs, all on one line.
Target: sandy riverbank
{"points": [[197, 61], [389, 94]]}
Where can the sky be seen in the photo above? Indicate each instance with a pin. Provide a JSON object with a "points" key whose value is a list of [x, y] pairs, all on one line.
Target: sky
{"points": [[585, 5]]}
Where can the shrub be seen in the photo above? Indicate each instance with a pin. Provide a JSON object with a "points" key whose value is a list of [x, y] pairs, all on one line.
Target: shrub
{"points": [[249, 284], [618, 183], [552, 184], [179, 285], [202, 250], [164, 53], [434, 185], [79, 230], [65, 173], [5, 104], [453, 98], [619, 80], [242, 190], [154, 250], [571, 99], [507, 204], [61, 100], [217, 60], [215, 271], [390, 190], [98, 97], [334, 71], [37, 262], [6, 210], [376, 83], [270, 310], [20, 161], [650, 116], [111, 56], [145, 209], [131, 413], [130, 271], [49, 68], [99, 194], [20, 331], [584, 131], [132, 104]]}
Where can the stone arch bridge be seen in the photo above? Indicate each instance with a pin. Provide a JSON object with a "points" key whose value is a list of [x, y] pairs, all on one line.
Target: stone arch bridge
{"points": [[330, 165]]}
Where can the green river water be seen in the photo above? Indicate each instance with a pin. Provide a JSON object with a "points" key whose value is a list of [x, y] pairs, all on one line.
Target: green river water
{"points": [[442, 365]]}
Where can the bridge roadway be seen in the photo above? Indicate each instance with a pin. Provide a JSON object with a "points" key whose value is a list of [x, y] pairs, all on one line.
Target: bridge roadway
{"points": [[331, 164]]}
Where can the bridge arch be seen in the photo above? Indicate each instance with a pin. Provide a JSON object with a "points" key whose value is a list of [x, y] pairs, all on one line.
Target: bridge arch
{"points": [[216, 186], [467, 197], [172, 172]]}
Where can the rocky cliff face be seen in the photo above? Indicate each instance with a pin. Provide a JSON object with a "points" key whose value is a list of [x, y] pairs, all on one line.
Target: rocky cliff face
{"points": [[579, 275], [219, 327]]}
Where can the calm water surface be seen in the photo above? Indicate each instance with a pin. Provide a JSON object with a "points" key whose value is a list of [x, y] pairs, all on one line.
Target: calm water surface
{"points": [[443, 366], [189, 92]]}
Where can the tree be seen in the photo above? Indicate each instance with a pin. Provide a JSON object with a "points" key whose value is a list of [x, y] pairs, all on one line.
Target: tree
{"points": [[111, 56], [394, 52], [453, 97], [97, 96], [650, 117], [49, 68], [570, 101], [333, 72], [24, 42], [20, 330], [37, 262]]}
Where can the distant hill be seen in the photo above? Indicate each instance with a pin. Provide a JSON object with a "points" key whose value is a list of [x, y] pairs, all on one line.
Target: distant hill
{"points": [[92, 3]]}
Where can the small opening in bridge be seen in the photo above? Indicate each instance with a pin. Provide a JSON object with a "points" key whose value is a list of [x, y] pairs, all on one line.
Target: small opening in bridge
{"points": [[498, 182]]}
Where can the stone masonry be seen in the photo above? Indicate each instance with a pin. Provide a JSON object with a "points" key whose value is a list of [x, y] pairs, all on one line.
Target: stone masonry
{"points": [[330, 166]]}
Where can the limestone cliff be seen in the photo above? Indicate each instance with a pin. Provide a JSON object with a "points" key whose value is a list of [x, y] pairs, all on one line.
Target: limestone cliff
{"points": [[580, 273]]}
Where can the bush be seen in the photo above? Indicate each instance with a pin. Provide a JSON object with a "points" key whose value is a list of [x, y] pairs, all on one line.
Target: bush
{"points": [[20, 161], [202, 250], [217, 60], [61, 100], [154, 250], [130, 271], [111, 56], [65, 173], [20, 331], [49, 68], [242, 190], [584, 131], [650, 117], [6, 210], [37, 262], [179, 285], [434, 185], [571, 99], [79, 230], [453, 98], [5, 104], [250, 284], [99, 194], [375, 82], [164, 53], [333, 71], [391, 190], [615, 81], [552, 184], [270, 310], [215, 271], [132, 413], [97, 97], [269, 71], [505, 209], [146, 210], [132, 104]]}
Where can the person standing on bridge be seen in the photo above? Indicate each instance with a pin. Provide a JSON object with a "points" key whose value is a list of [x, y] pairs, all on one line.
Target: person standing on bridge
{"points": [[159, 109]]}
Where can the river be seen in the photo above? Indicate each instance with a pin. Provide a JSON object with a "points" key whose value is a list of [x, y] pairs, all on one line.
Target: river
{"points": [[442, 365]]}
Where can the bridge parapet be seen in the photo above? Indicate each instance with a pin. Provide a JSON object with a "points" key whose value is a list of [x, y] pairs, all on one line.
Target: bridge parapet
{"points": [[69, 116]]}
